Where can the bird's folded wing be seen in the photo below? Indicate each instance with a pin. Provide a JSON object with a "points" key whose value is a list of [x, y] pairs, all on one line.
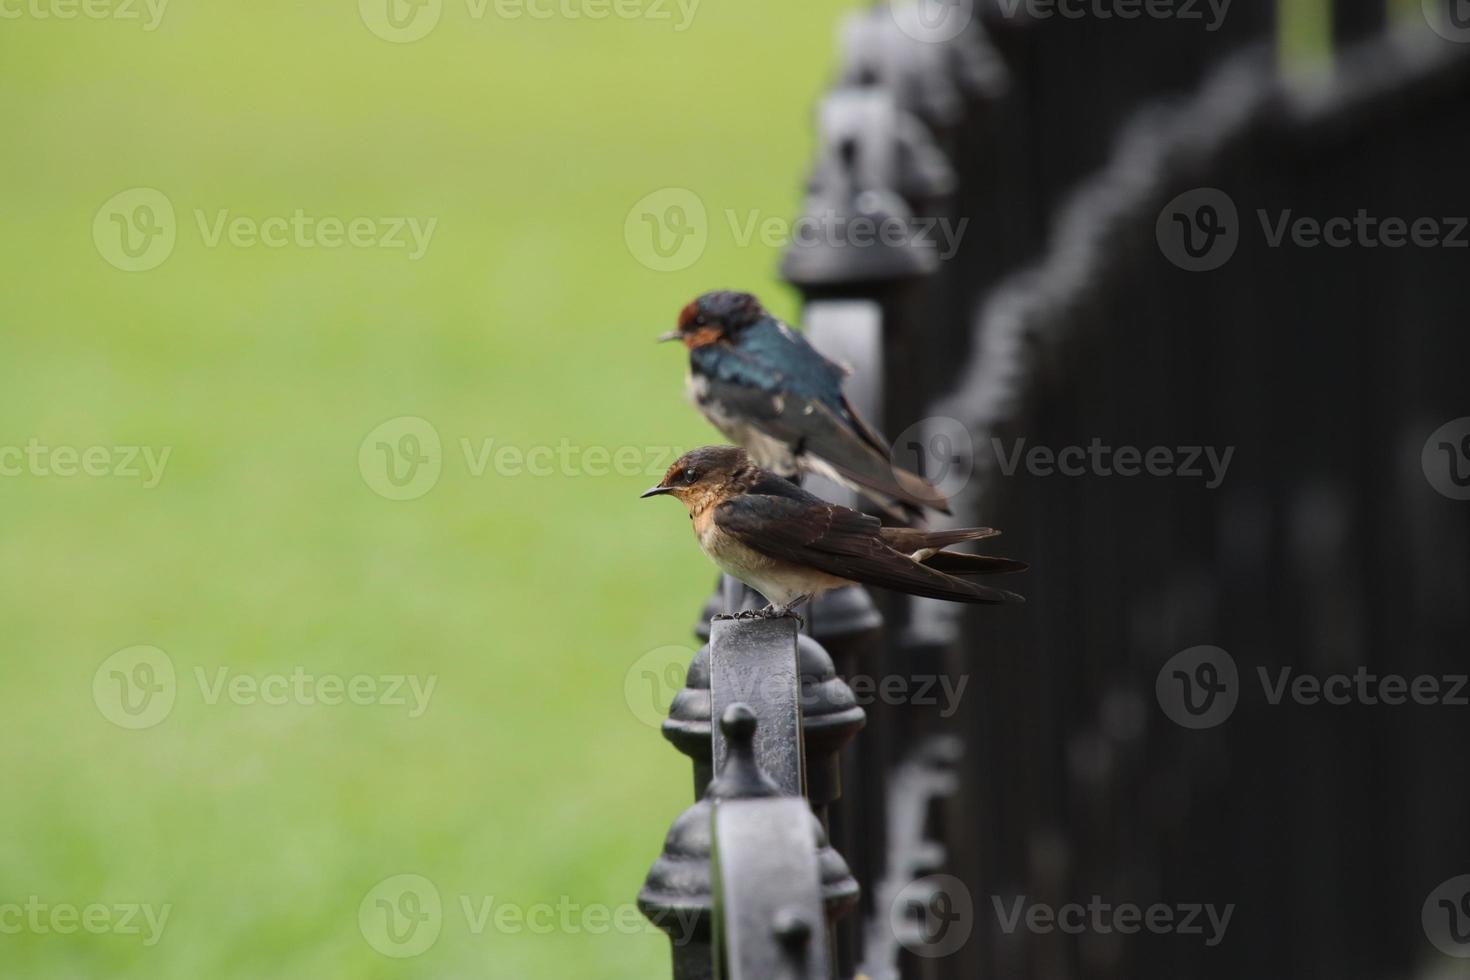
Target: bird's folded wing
{"points": [[869, 434], [809, 425], [840, 542]]}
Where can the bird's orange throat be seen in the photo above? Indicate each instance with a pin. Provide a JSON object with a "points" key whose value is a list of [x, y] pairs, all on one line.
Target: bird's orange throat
{"points": [[701, 503], [703, 337]]}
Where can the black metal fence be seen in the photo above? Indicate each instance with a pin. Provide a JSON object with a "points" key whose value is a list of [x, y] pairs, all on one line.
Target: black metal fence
{"points": [[1192, 332]]}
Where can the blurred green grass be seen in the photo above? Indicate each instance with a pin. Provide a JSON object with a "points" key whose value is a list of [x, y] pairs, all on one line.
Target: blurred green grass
{"points": [[529, 778]]}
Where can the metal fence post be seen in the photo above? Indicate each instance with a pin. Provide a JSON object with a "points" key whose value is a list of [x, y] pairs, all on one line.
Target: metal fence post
{"points": [[753, 662], [768, 893], [830, 717], [778, 884], [754, 682]]}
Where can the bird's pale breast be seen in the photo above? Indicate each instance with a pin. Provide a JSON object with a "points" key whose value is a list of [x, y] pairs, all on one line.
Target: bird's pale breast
{"points": [[767, 451], [779, 581]]}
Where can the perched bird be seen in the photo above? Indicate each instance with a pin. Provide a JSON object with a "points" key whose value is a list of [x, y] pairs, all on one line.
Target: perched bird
{"points": [[790, 546], [765, 388]]}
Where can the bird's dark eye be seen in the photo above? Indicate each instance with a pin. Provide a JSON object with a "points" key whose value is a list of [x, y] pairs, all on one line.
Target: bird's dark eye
{"points": [[701, 320], [691, 476]]}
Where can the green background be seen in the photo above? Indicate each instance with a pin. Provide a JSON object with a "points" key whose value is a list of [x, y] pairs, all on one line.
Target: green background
{"points": [[544, 607], [263, 549]]}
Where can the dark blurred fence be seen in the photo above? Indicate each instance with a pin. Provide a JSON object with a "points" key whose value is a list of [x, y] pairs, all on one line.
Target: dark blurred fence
{"points": [[1126, 272]]}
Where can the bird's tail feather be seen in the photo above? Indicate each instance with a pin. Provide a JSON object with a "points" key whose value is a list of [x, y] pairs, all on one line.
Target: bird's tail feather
{"points": [[920, 492], [956, 589], [964, 565], [915, 539]]}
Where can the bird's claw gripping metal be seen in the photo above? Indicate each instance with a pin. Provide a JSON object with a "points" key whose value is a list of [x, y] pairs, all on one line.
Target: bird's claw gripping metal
{"points": [[769, 612]]}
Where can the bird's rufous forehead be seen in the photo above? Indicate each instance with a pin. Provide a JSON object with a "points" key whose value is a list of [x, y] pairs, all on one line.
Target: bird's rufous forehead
{"points": [[687, 315]]}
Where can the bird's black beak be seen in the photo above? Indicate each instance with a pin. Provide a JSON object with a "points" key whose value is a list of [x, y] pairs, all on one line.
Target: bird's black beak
{"points": [[654, 492], [664, 338]]}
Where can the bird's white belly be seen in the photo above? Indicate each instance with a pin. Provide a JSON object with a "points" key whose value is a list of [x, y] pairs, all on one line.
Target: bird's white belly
{"points": [[779, 581], [768, 452]]}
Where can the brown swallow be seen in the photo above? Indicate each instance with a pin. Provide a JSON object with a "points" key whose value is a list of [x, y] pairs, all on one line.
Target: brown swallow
{"points": [[790, 546]]}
